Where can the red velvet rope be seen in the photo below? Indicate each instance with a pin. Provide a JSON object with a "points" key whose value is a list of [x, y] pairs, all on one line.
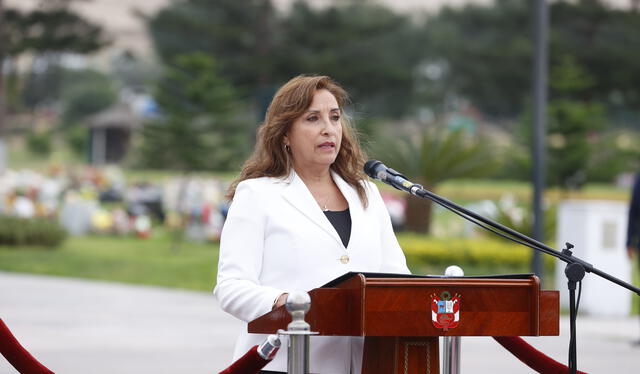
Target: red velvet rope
{"points": [[250, 363], [532, 357], [17, 356]]}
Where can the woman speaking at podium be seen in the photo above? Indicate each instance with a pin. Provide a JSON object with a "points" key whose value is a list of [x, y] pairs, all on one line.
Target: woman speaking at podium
{"points": [[303, 213]]}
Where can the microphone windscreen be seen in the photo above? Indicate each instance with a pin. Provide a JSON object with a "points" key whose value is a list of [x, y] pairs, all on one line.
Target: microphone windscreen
{"points": [[370, 168]]}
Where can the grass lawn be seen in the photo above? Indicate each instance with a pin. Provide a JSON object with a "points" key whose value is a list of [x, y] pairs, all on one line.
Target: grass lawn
{"points": [[121, 259]]}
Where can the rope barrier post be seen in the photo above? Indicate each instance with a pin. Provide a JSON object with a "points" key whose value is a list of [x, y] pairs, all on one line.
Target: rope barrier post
{"points": [[451, 344], [298, 304]]}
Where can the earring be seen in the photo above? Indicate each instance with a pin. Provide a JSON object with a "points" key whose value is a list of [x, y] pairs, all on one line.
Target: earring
{"points": [[287, 148]]}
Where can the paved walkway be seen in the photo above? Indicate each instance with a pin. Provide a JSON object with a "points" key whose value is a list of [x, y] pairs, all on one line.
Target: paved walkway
{"points": [[79, 326]]}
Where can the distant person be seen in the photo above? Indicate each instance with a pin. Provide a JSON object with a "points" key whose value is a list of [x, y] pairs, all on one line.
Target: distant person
{"points": [[633, 228], [303, 213]]}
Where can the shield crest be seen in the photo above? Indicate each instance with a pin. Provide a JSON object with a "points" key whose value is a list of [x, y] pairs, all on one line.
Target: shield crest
{"points": [[445, 310]]}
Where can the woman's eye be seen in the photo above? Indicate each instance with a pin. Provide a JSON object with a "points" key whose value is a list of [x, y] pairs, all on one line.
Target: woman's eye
{"points": [[312, 118], [335, 117]]}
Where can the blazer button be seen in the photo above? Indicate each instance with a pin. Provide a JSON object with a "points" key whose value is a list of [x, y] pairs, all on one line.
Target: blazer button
{"points": [[344, 259]]}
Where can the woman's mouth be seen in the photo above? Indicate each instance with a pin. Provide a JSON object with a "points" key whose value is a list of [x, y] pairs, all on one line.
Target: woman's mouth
{"points": [[327, 145]]}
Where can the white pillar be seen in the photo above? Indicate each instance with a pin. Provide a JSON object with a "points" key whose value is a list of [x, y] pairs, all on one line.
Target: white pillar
{"points": [[598, 229]]}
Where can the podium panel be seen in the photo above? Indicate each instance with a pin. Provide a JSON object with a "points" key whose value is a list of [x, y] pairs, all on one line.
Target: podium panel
{"points": [[400, 355], [402, 316]]}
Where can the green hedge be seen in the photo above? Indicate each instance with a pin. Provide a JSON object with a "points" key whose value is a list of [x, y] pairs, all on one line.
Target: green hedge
{"points": [[33, 231], [423, 251], [40, 143]]}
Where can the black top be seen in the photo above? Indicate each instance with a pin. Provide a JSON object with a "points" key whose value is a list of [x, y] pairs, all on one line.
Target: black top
{"points": [[341, 221]]}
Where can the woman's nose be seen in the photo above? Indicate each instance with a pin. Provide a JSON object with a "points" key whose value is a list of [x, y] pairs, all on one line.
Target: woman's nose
{"points": [[327, 127]]}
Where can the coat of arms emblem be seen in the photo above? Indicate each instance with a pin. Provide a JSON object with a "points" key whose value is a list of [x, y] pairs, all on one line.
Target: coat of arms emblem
{"points": [[445, 310]]}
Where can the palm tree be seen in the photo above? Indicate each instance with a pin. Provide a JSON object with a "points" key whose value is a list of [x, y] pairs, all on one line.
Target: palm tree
{"points": [[432, 157]]}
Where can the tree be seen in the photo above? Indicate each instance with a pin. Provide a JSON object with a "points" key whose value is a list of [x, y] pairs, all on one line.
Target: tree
{"points": [[433, 156], [572, 125], [603, 42], [486, 52], [198, 128], [365, 46], [47, 32], [235, 33], [84, 93]]}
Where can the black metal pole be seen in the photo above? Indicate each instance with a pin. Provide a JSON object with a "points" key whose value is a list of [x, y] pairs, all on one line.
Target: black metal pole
{"points": [[574, 272], [541, 21], [573, 315]]}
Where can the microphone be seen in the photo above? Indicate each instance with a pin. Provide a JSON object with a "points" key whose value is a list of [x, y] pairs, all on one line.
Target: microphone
{"points": [[377, 170]]}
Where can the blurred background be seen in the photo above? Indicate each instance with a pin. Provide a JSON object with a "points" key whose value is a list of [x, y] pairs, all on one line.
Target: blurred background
{"points": [[123, 122]]}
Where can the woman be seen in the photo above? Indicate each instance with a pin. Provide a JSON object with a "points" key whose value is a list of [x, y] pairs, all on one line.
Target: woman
{"points": [[303, 213]]}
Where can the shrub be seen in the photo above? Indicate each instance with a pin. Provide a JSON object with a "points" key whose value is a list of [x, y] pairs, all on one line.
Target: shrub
{"points": [[40, 143], [488, 254], [33, 231], [77, 138]]}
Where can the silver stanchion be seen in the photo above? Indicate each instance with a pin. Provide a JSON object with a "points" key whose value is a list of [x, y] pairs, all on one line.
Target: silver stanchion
{"points": [[298, 304], [451, 344]]}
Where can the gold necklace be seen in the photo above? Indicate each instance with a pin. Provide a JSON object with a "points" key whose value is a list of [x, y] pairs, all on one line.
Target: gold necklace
{"points": [[324, 206]]}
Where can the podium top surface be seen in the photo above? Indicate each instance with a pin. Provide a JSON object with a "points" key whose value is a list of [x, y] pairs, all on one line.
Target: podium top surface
{"points": [[350, 274]]}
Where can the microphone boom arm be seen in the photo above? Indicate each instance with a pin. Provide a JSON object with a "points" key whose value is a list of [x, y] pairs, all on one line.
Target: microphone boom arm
{"points": [[377, 170]]}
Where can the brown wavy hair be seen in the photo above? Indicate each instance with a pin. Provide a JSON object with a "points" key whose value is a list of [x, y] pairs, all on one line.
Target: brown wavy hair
{"points": [[270, 159]]}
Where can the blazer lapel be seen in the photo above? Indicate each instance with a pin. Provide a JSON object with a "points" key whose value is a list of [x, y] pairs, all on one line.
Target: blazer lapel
{"points": [[298, 195]]}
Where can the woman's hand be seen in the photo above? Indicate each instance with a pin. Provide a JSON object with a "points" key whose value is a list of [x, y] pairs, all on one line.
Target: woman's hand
{"points": [[280, 301]]}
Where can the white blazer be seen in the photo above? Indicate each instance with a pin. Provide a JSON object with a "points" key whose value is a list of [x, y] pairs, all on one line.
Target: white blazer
{"points": [[276, 239]]}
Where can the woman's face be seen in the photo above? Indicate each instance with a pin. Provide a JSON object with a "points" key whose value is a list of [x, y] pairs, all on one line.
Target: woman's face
{"points": [[315, 136]]}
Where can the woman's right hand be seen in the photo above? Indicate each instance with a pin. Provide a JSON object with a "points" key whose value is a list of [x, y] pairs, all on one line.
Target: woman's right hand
{"points": [[280, 301]]}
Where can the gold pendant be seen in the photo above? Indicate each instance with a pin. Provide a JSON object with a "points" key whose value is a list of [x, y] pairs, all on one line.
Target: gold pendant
{"points": [[344, 259]]}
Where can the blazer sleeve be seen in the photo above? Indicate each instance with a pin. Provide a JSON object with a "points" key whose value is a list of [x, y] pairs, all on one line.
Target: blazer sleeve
{"points": [[393, 259], [238, 287], [633, 225]]}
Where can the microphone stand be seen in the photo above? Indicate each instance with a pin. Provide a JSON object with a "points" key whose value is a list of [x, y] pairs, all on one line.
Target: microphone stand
{"points": [[574, 271]]}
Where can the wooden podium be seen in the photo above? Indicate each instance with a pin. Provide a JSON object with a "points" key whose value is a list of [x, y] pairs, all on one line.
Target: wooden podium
{"points": [[395, 314]]}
